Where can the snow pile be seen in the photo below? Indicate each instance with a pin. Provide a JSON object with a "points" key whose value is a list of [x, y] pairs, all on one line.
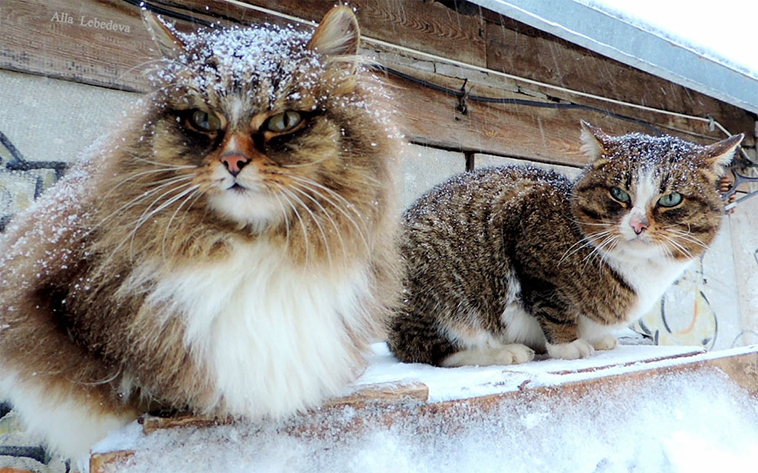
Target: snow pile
{"points": [[686, 422]]}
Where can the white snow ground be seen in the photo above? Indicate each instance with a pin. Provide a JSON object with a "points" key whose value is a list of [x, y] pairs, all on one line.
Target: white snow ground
{"points": [[692, 421]]}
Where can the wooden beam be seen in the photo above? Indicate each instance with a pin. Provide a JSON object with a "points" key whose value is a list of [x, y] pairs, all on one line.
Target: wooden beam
{"points": [[94, 42], [103, 42], [524, 130], [741, 365], [427, 26], [523, 51], [366, 396]]}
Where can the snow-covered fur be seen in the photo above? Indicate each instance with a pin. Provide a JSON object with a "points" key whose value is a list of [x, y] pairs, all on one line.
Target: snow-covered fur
{"points": [[228, 251], [503, 262]]}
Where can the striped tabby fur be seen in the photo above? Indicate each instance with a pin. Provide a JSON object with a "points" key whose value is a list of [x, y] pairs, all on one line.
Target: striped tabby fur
{"points": [[506, 261]]}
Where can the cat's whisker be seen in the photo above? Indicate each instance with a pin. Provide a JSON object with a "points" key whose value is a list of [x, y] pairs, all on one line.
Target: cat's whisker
{"points": [[137, 176], [326, 213], [287, 197], [574, 249], [146, 216], [166, 166], [286, 221], [676, 235], [593, 224], [136, 224], [294, 166], [145, 195], [687, 236], [603, 243], [192, 196], [668, 253], [579, 245], [682, 249], [315, 186], [315, 219]]}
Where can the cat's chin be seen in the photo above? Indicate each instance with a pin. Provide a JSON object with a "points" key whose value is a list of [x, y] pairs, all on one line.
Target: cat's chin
{"points": [[639, 249], [247, 207]]}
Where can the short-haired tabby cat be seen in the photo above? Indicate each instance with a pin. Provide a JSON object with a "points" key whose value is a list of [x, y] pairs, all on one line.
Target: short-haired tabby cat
{"points": [[229, 251], [506, 261]]}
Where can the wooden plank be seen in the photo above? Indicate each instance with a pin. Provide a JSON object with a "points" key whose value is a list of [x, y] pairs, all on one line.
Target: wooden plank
{"points": [[95, 42], [447, 418], [378, 394], [522, 131], [423, 25], [394, 393], [103, 42], [109, 462], [152, 424], [523, 51]]}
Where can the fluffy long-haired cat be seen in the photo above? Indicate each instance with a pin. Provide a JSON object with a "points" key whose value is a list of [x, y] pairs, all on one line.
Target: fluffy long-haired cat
{"points": [[230, 251], [506, 261]]}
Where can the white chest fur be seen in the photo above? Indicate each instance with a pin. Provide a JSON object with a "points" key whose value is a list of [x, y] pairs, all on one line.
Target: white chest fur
{"points": [[275, 336], [650, 279]]}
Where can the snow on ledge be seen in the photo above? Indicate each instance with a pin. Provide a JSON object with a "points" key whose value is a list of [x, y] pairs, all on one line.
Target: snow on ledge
{"points": [[448, 384], [682, 412]]}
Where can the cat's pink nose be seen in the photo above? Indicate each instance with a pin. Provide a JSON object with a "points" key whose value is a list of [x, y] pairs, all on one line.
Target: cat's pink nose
{"points": [[639, 225], [234, 162]]}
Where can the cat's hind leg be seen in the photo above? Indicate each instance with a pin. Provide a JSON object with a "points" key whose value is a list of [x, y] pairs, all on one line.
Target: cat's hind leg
{"points": [[512, 354]]}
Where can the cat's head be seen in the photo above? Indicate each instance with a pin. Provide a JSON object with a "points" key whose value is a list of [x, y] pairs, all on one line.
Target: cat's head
{"points": [[647, 196], [267, 126]]}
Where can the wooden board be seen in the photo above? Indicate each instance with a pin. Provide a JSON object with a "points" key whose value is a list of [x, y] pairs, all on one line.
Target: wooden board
{"points": [[526, 131], [445, 418], [427, 26], [87, 41], [103, 42], [380, 394], [529, 53]]}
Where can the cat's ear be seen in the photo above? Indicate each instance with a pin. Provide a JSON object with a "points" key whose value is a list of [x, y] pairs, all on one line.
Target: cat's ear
{"points": [[719, 155], [163, 33], [593, 142], [338, 33]]}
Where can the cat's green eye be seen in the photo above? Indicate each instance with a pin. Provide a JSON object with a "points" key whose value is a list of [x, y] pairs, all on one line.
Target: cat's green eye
{"points": [[205, 122], [670, 200], [283, 122], [620, 194]]}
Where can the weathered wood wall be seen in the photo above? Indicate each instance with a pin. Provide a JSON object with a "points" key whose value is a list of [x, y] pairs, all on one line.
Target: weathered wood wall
{"points": [[102, 42]]}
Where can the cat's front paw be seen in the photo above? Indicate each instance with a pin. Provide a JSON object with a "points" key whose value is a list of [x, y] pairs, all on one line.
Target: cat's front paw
{"points": [[516, 353], [513, 354], [579, 348], [607, 342]]}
